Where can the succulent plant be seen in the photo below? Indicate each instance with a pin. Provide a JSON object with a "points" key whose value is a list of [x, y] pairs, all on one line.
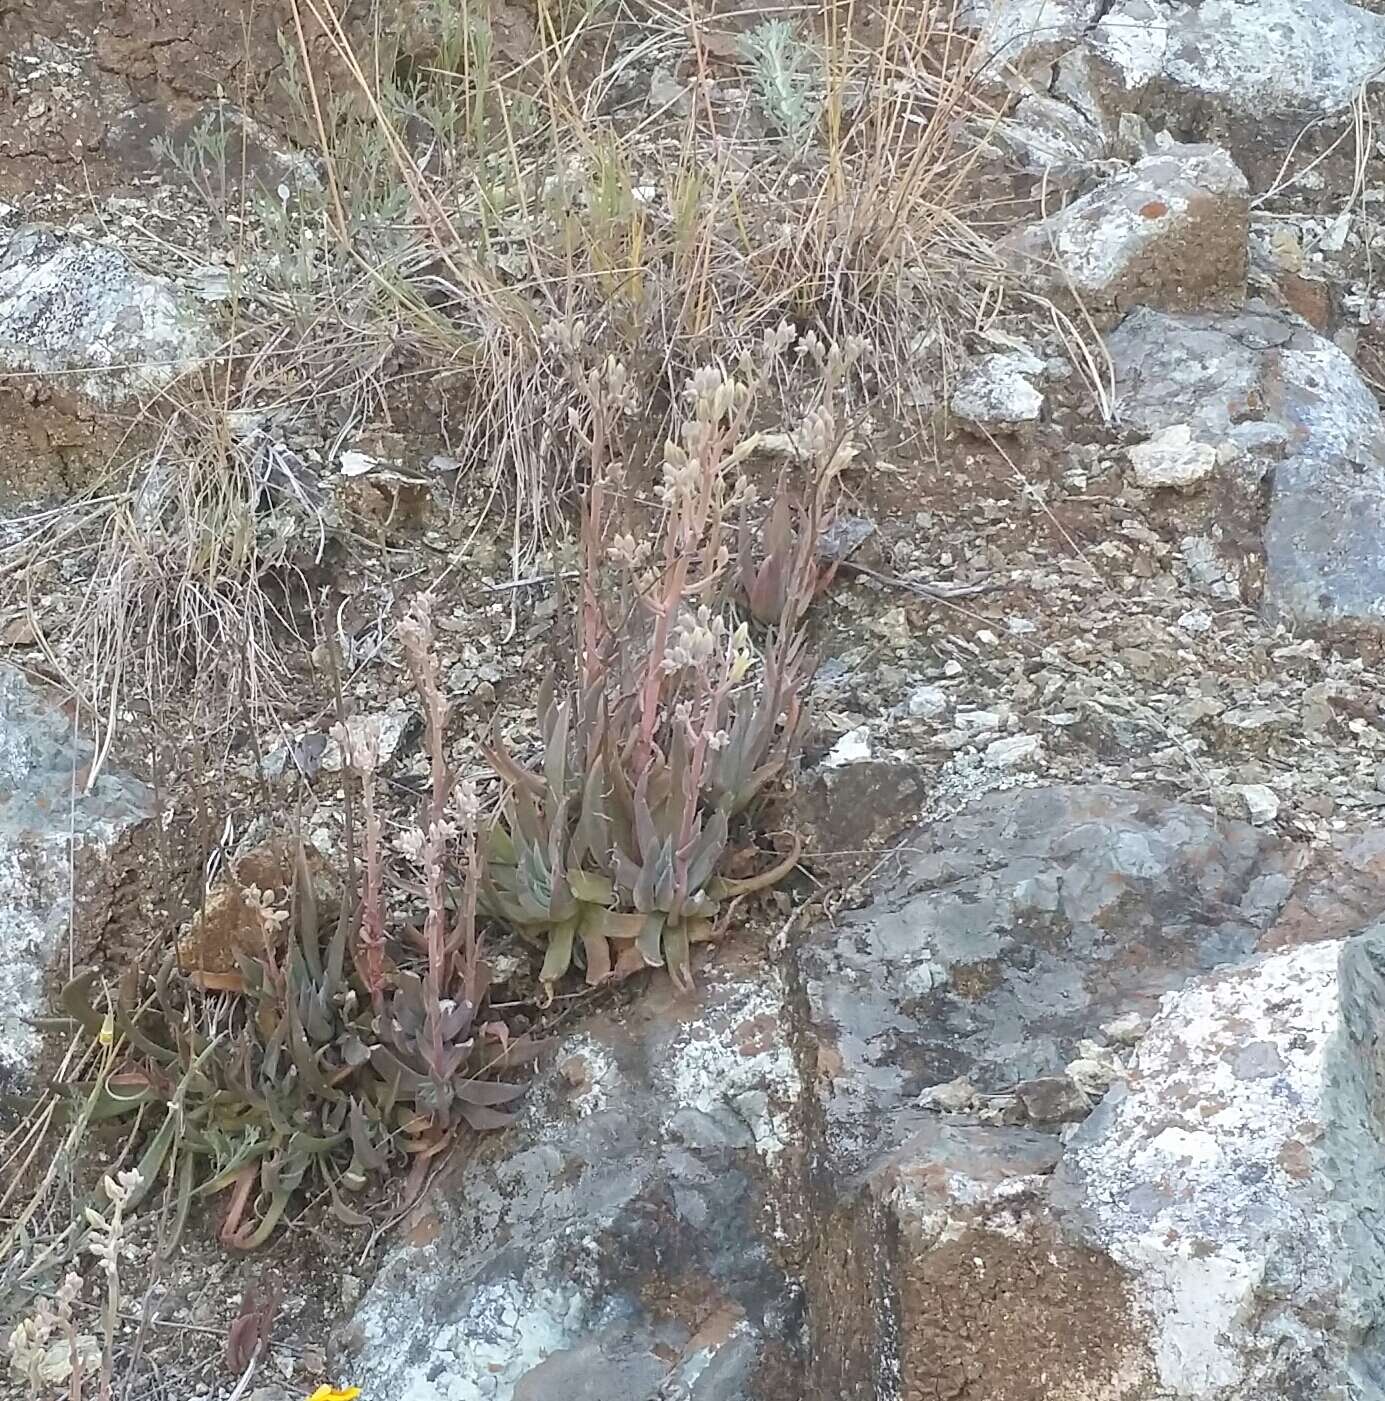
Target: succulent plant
{"points": [[621, 866], [299, 1077]]}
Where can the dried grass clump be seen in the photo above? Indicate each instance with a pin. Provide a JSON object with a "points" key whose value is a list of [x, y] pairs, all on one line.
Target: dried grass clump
{"points": [[169, 586], [477, 194]]}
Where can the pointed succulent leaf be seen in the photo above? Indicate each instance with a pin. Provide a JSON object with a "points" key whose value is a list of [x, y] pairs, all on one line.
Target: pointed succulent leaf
{"points": [[597, 956], [555, 754], [627, 876], [646, 834], [391, 1069], [455, 1022], [482, 1117], [593, 837], [545, 707], [665, 877], [647, 884], [498, 845], [677, 956], [305, 910], [612, 924], [559, 956], [650, 940], [707, 852], [492, 1092], [591, 889], [508, 767]]}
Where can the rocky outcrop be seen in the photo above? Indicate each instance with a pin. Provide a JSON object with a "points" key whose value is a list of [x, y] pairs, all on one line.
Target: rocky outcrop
{"points": [[620, 1245], [1285, 409], [1169, 232], [1232, 1179], [57, 840], [1011, 933], [1002, 942], [1276, 58], [81, 312], [859, 1178], [1026, 34]]}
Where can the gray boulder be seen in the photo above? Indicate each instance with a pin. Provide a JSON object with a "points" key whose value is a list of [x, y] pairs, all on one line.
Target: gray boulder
{"points": [[82, 312], [1170, 232], [1273, 58], [1281, 405], [1011, 932], [1026, 34], [56, 839], [618, 1246], [1234, 1180], [1207, 1232]]}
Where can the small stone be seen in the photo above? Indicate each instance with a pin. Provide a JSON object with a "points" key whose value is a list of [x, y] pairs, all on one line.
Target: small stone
{"points": [[1195, 621], [1125, 1030], [393, 722], [952, 668], [1172, 459], [1262, 802], [312, 1361], [1254, 718], [949, 1097], [844, 537], [893, 626], [1094, 1069], [1053, 1099], [1012, 751], [576, 1070], [852, 748], [995, 394], [1257, 803], [928, 703]]}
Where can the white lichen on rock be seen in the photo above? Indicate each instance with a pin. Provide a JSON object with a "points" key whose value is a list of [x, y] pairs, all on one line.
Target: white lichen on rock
{"points": [[739, 1073], [997, 392], [54, 842], [82, 312], [1275, 57], [1230, 1176]]}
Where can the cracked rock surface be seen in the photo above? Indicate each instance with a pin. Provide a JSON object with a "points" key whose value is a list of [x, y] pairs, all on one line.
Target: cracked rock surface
{"points": [[754, 1196]]}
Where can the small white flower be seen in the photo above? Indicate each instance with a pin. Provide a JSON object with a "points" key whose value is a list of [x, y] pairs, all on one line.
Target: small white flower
{"points": [[468, 804], [409, 844]]}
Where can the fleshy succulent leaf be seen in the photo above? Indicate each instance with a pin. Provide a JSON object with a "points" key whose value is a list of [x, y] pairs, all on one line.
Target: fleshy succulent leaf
{"points": [[558, 959]]}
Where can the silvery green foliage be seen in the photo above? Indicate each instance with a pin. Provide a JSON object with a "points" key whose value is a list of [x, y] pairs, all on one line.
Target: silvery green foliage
{"points": [[785, 79]]}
